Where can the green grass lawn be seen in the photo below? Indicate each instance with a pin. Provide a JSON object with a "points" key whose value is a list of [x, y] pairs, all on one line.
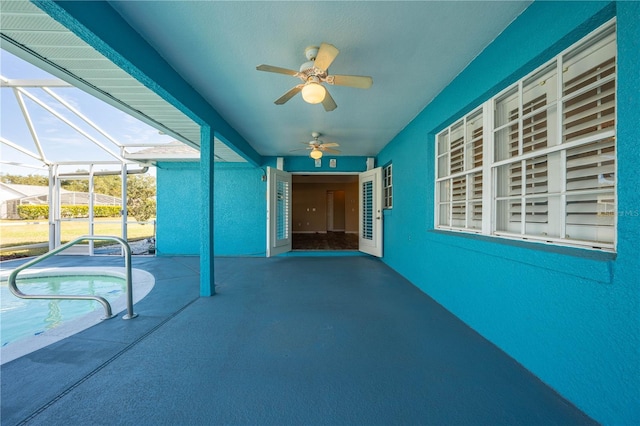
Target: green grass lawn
{"points": [[22, 232]]}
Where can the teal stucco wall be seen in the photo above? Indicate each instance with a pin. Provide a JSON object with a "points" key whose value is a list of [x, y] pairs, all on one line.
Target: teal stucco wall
{"points": [[239, 204], [178, 211], [571, 316], [240, 209]]}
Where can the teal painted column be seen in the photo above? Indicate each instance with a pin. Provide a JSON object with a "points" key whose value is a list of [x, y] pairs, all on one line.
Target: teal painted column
{"points": [[207, 287]]}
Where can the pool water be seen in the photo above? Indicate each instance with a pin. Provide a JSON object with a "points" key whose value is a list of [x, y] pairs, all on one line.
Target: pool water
{"points": [[23, 318]]}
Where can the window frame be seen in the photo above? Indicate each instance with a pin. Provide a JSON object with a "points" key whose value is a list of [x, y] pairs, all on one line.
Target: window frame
{"points": [[387, 186], [549, 162], [461, 201]]}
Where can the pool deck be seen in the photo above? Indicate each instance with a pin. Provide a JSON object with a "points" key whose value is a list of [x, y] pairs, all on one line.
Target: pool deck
{"points": [[285, 341]]}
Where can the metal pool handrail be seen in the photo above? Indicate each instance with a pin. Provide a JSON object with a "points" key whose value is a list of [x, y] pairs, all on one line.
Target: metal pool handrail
{"points": [[107, 307]]}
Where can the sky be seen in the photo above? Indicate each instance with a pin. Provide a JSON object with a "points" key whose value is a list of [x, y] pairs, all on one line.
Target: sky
{"points": [[61, 142]]}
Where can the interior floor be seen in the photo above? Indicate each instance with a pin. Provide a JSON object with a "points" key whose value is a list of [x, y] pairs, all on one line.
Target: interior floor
{"points": [[285, 341], [324, 241]]}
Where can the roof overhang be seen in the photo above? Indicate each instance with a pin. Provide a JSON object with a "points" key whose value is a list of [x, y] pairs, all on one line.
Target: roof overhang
{"points": [[31, 34]]}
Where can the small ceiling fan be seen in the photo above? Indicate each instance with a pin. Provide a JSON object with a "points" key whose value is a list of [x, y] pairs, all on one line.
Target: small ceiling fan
{"points": [[318, 147], [313, 73]]}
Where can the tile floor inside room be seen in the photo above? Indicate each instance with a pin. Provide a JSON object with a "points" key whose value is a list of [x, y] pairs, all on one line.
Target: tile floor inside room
{"points": [[325, 241]]}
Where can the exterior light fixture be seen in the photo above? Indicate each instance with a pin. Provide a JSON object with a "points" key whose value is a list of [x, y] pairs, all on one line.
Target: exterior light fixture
{"points": [[313, 92], [315, 153]]}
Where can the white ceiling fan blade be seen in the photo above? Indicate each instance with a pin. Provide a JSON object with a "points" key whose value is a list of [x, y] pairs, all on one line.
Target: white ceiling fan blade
{"points": [[301, 149], [330, 150], [290, 94], [330, 144], [270, 68], [326, 54], [357, 81], [328, 103]]}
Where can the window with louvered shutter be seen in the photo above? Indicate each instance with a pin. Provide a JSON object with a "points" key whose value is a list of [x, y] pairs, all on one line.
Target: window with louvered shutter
{"points": [[589, 117], [524, 136], [459, 174], [551, 171]]}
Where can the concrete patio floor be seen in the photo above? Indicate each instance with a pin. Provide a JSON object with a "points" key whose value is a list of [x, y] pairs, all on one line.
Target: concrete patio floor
{"points": [[285, 341]]}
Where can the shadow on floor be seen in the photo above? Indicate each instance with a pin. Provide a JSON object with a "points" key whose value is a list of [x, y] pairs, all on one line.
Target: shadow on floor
{"points": [[285, 341]]}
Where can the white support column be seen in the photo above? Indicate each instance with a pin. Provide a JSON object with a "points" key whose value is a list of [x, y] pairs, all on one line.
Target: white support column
{"points": [[51, 199], [56, 208], [125, 214], [91, 214]]}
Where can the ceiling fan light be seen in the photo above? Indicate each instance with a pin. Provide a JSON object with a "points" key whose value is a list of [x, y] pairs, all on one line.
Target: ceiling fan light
{"points": [[313, 92], [316, 154]]}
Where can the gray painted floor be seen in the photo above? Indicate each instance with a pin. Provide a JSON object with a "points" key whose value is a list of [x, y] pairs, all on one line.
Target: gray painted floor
{"points": [[286, 341]]}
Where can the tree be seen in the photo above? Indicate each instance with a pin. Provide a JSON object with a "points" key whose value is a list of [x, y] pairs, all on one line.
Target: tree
{"points": [[75, 185], [108, 185], [141, 190], [37, 180]]}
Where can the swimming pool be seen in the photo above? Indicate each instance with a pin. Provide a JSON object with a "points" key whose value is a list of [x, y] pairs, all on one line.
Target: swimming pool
{"points": [[29, 324]]}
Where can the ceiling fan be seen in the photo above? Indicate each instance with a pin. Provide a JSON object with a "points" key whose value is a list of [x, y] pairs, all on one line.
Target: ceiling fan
{"points": [[318, 147], [313, 73]]}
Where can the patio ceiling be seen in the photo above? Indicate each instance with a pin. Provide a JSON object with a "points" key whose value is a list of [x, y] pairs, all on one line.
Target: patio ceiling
{"points": [[411, 49]]}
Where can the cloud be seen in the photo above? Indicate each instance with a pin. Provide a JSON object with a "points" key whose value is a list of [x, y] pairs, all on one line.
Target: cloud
{"points": [[64, 141]]}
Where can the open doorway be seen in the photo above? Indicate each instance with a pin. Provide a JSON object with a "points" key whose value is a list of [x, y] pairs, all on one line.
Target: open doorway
{"points": [[325, 212]]}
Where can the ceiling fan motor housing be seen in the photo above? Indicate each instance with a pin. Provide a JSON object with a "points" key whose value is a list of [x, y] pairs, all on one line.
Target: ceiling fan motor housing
{"points": [[311, 52], [308, 69]]}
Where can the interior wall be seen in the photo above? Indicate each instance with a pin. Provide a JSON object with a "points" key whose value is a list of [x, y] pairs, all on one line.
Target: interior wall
{"points": [[339, 211], [309, 209], [568, 315]]}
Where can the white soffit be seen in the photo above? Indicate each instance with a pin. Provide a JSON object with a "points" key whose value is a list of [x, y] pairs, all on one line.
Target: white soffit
{"points": [[178, 152], [34, 36]]}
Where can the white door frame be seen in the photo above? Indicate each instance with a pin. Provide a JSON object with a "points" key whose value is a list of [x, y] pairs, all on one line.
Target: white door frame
{"points": [[370, 217], [371, 243]]}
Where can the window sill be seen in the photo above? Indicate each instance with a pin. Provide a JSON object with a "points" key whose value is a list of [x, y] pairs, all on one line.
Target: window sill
{"points": [[587, 264]]}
